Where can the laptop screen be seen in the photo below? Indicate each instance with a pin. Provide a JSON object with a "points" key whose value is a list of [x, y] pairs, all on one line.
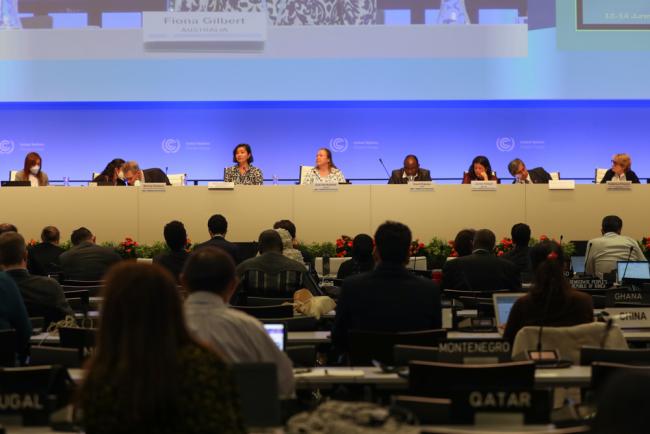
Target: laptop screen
{"points": [[277, 333], [634, 270], [502, 305], [578, 264]]}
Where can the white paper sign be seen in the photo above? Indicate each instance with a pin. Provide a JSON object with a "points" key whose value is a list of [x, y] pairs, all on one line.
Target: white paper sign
{"points": [[562, 184], [619, 185], [484, 185], [326, 186], [214, 185], [630, 317], [418, 186], [149, 187]]}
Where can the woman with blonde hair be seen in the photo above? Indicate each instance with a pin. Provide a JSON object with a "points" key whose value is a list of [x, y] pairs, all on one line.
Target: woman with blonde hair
{"points": [[621, 170]]}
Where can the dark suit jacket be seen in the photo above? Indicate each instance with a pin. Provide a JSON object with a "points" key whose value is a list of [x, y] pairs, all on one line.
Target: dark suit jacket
{"points": [[480, 271], [43, 259], [42, 296], [387, 299], [397, 177], [222, 243], [520, 257], [629, 175], [352, 267], [172, 261], [538, 175], [155, 175], [87, 261]]}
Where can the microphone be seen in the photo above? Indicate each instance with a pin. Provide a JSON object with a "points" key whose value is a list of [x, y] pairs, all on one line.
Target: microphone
{"points": [[587, 257], [626, 264], [561, 238], [166, 170], [384, 166]]}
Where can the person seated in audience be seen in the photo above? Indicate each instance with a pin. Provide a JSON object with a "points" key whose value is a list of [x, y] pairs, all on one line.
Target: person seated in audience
{"points": [[362, 260], [389, 298], [482, 270], [86, 261], [325, 170], [550, 301], [538, 175], [7, 227], [410, 172], [603, 253], [218, 228], [13, 315], [135, 176], [307, 258], [44, 257], [148, 374], [464, 242], [479, 170], [519, 255], [32, 171], [42, 296], [112, 173], [209, 278], [621, 170], [271, 274], [287, 246], [176, 239], [243, 172]]}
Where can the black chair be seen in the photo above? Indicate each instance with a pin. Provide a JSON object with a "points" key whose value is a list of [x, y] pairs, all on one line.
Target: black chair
{"points": [[265, 301], [66, 357], [440, 380], [268, 312], [296, 323], [429, 411], [589, 355], [81, 339], [602, 371], [366, 346], [83, 283], [246, 250], [8, 347], [302, 356]]}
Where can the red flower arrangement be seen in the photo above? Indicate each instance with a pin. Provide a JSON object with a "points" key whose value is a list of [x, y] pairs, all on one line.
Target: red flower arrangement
{"points": [[417, 248], [344, 247], [504, 247], [127, 248], [452, 244]]}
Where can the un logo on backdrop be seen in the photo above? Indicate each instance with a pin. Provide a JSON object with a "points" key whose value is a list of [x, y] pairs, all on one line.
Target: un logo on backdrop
{"points": [[171, 146], [505, 144], [6, 146], [339, 144]]}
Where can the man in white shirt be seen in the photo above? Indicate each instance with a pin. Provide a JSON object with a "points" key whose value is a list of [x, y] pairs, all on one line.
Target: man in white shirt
{"points": [[209, 276], [604, 252]]}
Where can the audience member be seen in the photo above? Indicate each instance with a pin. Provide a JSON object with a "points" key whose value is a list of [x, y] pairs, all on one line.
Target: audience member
{"points": [[604, 253], [538, 175], [176, 239], [217, 228], [42, 296], [519, 255], [209, 277], [7, 227], [287, 246], [307, 258], [32, 171], [147, 373], [389, 298], [13, 314], [271, 274], [550, 301], [44, 257], [410, 172], [482, 270], [362, 260], [464, 242], [86, 261], [136, 176]]}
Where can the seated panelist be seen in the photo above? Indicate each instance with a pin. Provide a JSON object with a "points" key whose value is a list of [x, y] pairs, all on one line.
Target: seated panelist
{"points": [[135, 176], [480, 170], [112, 173], [621, 170], [538, 175], [325, 170], [32, 171], [243, 172], [410, 172]]}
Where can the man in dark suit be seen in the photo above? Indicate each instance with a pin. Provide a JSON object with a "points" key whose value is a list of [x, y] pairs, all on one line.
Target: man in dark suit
{"points": [[42, 296], [176, 239], [520, 256], [389, 298], [44, 257], [86, 260], [410, 172], [218, 227], [135, 176], [482, 270], [538, 175]]}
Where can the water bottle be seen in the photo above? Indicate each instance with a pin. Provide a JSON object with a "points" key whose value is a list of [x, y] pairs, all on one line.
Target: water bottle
{"points": [[66, 181], [276, 180], [9, 18]]}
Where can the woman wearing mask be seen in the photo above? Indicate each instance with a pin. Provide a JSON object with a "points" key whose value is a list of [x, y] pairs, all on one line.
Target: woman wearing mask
{"points": [[112, 174], [32, 171]]}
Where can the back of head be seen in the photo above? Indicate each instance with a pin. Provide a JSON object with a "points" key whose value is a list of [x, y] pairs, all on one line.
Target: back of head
{"points": [[270, 241], [141, 330], [520, 234], [131, 166], [7, 227], [175, 235], [362, 248], [547, 261], [393, 240], [80, 235], [464, 242], [288, 225], [12, 249], [612, 223], [109, 170], [217, 224], [50, 234], [484, 239], [209, 269]]}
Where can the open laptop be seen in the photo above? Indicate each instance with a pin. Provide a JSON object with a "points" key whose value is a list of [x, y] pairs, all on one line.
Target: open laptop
{"points": [[578, 264], [503, 302], [278, 334], [632, 270]]}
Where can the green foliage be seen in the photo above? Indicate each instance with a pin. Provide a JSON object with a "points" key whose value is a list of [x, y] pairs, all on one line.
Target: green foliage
{"points": [[319, 249]]}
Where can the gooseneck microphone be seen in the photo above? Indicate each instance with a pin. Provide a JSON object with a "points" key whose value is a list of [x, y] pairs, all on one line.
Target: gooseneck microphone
{"points": [[629, 255], [384, 166]]}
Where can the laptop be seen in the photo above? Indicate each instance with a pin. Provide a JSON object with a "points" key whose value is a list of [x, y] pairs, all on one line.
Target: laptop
{"points": [[632, 270], [278, 334], [503, 302], [578, 264]]}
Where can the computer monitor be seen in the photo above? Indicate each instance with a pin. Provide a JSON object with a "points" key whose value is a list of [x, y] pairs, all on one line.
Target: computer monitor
{"points": [[503, 303], [578, 264], [632, 270], [278, 334]]}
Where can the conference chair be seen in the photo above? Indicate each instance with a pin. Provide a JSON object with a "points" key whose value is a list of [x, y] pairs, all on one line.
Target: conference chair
{"points": [[599, 175], [85, 283], [12, 175], [366, 346], [555, 176], [304, 171], [302, 356], [177, 179], [602, 371], [66, 357], [268, 312], [7, 347], [635, 356], [259, 283]]}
